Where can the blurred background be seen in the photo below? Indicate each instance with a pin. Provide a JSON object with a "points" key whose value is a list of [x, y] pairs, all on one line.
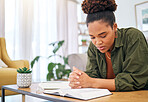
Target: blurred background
{"points": [[30, 25]]}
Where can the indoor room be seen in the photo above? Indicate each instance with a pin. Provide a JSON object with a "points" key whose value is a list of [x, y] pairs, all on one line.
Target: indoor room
{"points": [[56, 41]]}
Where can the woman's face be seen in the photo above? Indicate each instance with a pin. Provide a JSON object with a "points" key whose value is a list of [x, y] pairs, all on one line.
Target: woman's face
{"points": [[102, 35]]}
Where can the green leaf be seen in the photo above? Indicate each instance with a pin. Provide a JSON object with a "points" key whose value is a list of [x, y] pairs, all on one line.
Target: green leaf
{"points": [[58, 64], [51, 66], [60, 43], [33, 61], [51, 56], [65, 60], [28, 71], [18, 70], [59, 74], [61, 67], [68, 71], [53, 43], [50, 76], [21, 70], [24, 70]]}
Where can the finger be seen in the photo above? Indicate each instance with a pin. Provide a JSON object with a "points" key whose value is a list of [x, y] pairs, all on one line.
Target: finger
{"points": [[74, 85], [72, 79], [79, 72], [73, 73], [77, 87], [74, 76]]}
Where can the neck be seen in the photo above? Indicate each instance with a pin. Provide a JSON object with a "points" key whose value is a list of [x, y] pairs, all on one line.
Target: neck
{"points": [[111, 47]]}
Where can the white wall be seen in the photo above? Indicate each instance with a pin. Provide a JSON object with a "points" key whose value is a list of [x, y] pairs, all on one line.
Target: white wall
{"points": [[125, 14], [2, 18]]}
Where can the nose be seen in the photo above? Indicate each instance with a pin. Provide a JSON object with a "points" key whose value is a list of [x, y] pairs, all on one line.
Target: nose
{"points": [[98, 42]]}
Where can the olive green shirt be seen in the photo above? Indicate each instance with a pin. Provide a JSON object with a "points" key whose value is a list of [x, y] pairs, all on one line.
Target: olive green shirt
{"points": [[129, 61]]}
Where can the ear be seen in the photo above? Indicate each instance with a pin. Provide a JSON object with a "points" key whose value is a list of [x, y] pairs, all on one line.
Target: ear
{"points": [[115, 26], [115, 29]]}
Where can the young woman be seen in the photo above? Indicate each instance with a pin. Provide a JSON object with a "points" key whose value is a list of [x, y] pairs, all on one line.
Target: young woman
{"points": [[117, 58]]}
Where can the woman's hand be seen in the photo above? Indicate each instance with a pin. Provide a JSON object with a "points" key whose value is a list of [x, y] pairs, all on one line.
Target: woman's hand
{"points": [[79, 79]]}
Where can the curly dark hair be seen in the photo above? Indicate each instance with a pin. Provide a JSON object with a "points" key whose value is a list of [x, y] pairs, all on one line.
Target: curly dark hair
{"points": [[99, 10], [93, 6]]}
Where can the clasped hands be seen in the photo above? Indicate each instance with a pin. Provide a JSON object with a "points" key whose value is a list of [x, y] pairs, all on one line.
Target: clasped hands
{"points": [[79, 79]]}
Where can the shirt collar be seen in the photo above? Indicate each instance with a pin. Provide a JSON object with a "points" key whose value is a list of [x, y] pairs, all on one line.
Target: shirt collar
{"points": [[118, 40]]}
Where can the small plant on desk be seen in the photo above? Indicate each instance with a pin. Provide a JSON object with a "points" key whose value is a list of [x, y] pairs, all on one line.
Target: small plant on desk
{"points": [[24, 77], [24, 70], [84, 41]]}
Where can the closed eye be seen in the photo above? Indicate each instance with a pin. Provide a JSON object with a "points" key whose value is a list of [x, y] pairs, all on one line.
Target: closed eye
{"points": [[103, 36], [92, 37]]}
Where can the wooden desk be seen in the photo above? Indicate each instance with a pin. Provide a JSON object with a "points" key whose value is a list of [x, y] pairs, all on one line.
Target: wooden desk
{"points": [[133, 96]]}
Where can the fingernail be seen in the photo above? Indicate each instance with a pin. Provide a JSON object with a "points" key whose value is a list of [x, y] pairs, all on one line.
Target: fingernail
{"points": [[77, 77], [78, 82], [79, 73], [79, 87]]}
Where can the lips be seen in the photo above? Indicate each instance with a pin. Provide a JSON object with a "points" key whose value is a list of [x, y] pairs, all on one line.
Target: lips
{"points": [[101, 47]]}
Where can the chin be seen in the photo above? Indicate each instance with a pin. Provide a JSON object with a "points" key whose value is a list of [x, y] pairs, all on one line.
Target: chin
{"points": [[102, 51]]}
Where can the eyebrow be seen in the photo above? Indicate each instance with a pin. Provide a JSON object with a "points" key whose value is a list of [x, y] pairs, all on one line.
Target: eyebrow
{"points": [[98, 34]]}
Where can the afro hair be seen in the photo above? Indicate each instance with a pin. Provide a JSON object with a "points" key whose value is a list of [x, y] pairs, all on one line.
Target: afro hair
{"points": [[93, 6]]}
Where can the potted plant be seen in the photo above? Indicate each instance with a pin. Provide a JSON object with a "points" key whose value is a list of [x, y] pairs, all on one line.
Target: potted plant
{"points": [[84, 41], [24, 77], [59, 68]]}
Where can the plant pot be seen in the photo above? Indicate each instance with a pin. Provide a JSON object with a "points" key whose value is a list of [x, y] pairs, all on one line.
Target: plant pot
{"points": [[84, 43], [24, 80]]}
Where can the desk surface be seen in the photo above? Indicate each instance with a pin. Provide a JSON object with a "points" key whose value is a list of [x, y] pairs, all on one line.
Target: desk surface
{"points": [[133, 96]]}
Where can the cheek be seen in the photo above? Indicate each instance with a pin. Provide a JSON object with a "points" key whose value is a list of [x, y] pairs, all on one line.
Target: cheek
{"points": [[93, 41], [110, 41]]}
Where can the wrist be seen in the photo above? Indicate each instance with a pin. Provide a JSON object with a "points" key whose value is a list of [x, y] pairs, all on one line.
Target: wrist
{"points": [[103, 83], [95, 83], [92, 83]]}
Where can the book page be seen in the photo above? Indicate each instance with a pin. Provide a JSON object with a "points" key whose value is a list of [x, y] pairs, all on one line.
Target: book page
{"points": [[83, 93], [86, 93], [53, 85]]}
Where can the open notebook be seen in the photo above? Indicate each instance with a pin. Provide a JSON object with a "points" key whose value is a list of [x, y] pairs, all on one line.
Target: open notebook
{"points": [[62, 89]]}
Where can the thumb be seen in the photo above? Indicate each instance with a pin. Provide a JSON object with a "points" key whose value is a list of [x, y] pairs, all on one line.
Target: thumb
{"points": [[77, 71]]}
